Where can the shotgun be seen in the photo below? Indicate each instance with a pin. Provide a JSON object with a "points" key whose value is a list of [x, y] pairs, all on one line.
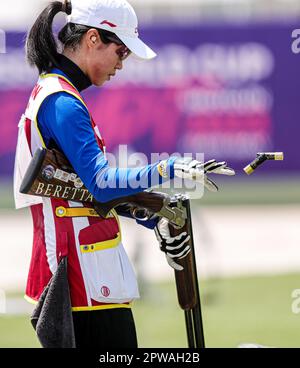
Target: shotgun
{"points": [[51, 175]]}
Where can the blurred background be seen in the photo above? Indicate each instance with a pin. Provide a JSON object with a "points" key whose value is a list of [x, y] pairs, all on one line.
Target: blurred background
{"points": [[226, 83]]}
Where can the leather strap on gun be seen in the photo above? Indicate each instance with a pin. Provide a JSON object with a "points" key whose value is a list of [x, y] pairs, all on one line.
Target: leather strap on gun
{"points": [[51, 175]]}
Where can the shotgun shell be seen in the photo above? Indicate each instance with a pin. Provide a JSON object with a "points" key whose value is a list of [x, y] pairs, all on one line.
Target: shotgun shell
{"points": [[262, 157]]}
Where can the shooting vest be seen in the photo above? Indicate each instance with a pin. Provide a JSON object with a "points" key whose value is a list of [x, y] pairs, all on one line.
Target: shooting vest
{"points": [[99, 272]]}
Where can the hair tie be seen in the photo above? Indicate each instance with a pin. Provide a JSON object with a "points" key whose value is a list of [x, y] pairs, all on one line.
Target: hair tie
{"points": [[67, 7]]}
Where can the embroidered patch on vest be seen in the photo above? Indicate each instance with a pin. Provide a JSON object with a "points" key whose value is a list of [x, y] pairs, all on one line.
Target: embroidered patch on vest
{"points": [[105, 291], [48, 172]]}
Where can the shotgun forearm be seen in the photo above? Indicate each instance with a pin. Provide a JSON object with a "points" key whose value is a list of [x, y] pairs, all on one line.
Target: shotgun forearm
{"points": [[186, 280]]}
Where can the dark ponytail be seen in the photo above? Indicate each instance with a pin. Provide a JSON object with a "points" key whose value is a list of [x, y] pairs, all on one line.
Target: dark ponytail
{"points": [[41, 47]]}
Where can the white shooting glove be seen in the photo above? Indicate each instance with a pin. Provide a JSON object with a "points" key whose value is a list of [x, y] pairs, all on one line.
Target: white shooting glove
{"points": [[188, 168], [174, 247]]}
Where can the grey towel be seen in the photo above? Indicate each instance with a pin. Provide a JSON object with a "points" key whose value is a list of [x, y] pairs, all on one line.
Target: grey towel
{"points": [[52, 317]]}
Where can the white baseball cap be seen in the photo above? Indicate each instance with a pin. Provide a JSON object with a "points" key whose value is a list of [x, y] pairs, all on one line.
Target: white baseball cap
{"points": [[116, 16]]}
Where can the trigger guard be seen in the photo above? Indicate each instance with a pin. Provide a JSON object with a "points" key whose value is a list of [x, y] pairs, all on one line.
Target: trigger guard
{"points": [[134, 212]]}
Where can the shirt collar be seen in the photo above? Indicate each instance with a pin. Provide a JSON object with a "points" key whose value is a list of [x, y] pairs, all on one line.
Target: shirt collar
{"points": [[73, 73]]}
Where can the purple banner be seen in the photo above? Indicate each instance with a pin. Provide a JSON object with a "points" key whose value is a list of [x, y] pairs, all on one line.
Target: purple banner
{"points": [[228, 91]]}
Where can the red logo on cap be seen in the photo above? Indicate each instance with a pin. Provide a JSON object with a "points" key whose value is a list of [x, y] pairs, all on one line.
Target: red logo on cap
{"points": [[108, 23]]}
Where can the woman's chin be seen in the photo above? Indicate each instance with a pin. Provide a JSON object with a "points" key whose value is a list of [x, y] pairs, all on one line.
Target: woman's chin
{"points": [[99, 83]]}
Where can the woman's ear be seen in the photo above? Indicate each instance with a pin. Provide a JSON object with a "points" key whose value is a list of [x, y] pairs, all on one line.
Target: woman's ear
{"points": [[92, 38]]}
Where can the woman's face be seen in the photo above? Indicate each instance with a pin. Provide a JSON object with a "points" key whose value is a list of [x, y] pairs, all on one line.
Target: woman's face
{"points": [[102, 61]]}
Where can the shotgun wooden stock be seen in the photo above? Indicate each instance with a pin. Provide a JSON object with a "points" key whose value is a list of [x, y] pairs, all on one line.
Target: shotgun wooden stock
{"points": [[51, 175]]}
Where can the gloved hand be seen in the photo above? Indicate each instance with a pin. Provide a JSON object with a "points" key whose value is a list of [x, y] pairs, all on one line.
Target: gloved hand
{"points": [[188, 168], [174, 247]]}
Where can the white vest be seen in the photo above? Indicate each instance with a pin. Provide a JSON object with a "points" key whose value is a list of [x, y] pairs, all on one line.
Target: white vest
{"points": [[47, 85], [107, 273]]}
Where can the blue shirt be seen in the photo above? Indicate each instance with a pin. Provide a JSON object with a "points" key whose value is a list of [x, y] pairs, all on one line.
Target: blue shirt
{"points": [[64, 122]]}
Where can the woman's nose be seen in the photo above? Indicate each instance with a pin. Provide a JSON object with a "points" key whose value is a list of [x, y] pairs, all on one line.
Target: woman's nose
{"points": [[119, 65]]}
